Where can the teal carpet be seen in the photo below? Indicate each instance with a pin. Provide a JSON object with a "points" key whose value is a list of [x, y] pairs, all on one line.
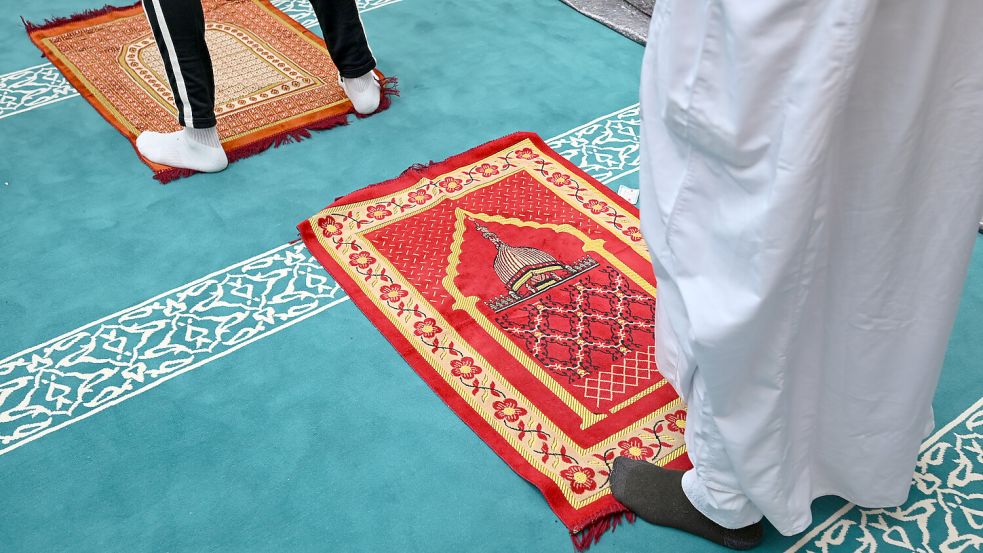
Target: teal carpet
{"points": [[316, 435]]}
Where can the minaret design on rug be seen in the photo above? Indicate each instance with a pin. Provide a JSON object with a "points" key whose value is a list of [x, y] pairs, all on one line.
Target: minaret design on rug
{"points": [[527, 271]]}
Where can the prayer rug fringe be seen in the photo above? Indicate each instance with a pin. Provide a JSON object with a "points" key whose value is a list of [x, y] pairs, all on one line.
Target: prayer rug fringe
{"points": [[592, 533], [274, 141], [286, 137], [30, 26]]}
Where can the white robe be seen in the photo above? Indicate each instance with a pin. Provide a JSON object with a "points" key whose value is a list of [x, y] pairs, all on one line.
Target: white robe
{"points": [[812, 179]]}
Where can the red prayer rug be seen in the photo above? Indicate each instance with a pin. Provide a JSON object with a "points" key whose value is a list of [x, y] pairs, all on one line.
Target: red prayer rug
{"points": [[519, 288], [274, 79]]}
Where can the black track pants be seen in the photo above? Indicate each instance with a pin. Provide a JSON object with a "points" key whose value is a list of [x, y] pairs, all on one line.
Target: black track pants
{"points": [[179, 29]]}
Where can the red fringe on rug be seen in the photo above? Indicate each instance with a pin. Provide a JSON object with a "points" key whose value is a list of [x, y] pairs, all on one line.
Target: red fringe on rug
{"points": [[296, 135], [592, 533], [81, 16]]}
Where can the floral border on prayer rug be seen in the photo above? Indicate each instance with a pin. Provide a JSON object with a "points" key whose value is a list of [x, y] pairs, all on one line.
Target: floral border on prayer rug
{"points": [[519, 288], [274, 79]]}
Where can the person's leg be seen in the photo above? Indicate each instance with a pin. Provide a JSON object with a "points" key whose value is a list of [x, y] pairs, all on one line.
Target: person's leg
{"points": [[712, 485], [345, 36], [179, 30], [705, 501], [661, 496], [349, 49]]}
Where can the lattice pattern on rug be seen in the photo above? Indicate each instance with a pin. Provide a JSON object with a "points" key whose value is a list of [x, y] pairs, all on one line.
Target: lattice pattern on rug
{"points": [[621, 378]]}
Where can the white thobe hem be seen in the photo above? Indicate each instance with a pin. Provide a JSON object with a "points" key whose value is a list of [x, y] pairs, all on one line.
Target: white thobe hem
{"points": [[728, 509]]}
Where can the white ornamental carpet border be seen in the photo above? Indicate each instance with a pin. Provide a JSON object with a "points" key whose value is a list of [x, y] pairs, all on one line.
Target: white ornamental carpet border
{"points": [[944, 511]]}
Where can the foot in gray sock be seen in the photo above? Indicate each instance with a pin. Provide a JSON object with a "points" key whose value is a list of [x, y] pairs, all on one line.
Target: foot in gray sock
{"points": [[656, 495]]}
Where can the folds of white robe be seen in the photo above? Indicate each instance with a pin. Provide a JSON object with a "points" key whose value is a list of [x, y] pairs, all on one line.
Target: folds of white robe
{"points": [[812, 178]]}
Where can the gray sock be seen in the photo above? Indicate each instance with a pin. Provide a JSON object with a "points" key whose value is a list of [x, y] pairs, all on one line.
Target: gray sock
{"points": [[656, 495]]}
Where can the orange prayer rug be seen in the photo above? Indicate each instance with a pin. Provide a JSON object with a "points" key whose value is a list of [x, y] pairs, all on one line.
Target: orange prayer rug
{"points": [[519, 288], [274, 79]]}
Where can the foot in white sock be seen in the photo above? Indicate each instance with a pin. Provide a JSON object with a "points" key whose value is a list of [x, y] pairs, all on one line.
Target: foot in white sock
{"points": [[365, 92], [197, 149]]}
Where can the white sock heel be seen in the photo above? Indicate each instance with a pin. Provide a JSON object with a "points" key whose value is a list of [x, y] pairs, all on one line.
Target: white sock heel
{"points": [[365, 92]]}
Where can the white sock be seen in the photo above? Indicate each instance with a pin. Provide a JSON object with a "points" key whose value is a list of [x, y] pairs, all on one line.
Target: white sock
{"points": [[198, 149], [365, 92]]}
